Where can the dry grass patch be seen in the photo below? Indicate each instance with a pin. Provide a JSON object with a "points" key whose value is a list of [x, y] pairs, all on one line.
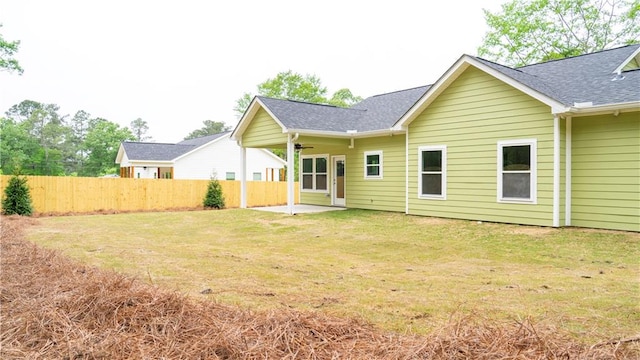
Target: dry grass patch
{"points": [[57, 308], [405, 274]]}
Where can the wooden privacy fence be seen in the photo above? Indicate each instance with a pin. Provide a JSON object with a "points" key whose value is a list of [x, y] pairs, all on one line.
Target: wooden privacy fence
{"points": [[59, 195]]}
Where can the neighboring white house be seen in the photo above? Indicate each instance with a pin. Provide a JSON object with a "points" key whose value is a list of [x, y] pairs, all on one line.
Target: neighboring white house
{"points": [[197, 159]]}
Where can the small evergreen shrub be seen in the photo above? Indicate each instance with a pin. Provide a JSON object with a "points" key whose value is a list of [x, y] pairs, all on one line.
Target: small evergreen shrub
{"points": [[214, 197], [17, 199]]}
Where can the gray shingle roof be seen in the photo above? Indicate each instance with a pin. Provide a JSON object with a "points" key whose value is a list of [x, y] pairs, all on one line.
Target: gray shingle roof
{"points": [[382, 111], [142, 151], [203, 140], [374, 113], [584, 78], [308, 116]]}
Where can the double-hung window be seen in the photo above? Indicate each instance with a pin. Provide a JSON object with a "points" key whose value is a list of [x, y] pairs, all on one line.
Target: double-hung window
{"points": [[314, 173], [517, 171], [373, 164], [432, 180]]}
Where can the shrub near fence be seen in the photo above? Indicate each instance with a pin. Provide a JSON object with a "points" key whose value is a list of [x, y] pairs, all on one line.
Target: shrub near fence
{"points": [[59, 195]]}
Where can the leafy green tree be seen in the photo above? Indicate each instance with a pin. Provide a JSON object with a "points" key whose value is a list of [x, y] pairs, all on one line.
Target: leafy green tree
{"points": [[344, 98], [101, 144], [17, 147], [293, 86], [139, 129], [17, 198], [529, 31], [210, 128], [79, 126], [214, 197], [7, 52], [44, 124]]}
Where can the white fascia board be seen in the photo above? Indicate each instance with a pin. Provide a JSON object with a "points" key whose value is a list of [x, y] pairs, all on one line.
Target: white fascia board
{"points": [[626, 61], [452, 74], [432, 93], [602, 109], [120, 154], [201, 146], [149, 163], [347, 135], [247, 117]]}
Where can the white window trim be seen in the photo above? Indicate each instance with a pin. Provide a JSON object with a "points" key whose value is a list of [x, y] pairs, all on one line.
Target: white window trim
{"points": [[533, 195], [375, 152], [326, 157], [443, 149]]}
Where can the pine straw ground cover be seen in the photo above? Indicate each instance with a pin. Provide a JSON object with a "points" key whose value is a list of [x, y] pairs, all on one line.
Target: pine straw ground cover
{"points": [[55, 308]]}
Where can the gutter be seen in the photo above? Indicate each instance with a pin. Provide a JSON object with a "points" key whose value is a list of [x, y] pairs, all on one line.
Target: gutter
{"points": [[586, 108], [349, 134]]}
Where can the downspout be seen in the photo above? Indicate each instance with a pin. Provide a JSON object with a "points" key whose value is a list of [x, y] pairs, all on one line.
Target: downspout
{"points": [[406, 172], [290, 170], [567, 176], [556, 171]]}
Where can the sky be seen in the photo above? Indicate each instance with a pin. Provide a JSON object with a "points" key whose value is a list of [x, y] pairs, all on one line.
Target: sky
{"points": [[175, 64]]}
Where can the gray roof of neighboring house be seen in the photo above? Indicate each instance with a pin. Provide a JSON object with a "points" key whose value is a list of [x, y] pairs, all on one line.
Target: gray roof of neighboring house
{"points": [[165, 151], [584, 78], [374, 113], [203, 140]]}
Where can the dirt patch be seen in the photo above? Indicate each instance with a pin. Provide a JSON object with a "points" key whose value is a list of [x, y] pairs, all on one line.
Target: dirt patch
{"points": [[423, 220], [533, 230], [54, 308]]}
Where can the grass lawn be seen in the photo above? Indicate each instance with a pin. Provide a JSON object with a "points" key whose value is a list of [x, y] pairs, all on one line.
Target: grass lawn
{"points": [[402, 273]]}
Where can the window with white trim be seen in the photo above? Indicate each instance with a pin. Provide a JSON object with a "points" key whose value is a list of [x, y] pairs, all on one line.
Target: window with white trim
{"points": [[373, 164], [230, 175], [257, 176], [314, 172], [517, 170], [432, 179]]}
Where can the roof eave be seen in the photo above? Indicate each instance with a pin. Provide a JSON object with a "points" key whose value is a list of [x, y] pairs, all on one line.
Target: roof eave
{"points": [[618, 70], [346, 134], [452, 74], [150, 162], [200, 147], [602, 109], [248, 116]]}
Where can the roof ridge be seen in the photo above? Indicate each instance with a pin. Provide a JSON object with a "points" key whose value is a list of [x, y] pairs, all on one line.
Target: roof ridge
{"points": [[306, 103], [577, 56], [397, 91], [296, 101], [497, 63]]}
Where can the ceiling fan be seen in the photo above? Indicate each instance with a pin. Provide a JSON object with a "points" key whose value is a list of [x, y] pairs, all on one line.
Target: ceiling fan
{"points": [[299, 147]]}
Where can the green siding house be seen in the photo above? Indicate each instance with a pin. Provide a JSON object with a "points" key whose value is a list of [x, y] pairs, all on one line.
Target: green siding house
{"points": [[550, 144]]}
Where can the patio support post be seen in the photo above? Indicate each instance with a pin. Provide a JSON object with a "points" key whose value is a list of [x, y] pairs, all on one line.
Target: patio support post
{"points": [[290, 167], [556, 171], [567, 176], [243, 177]]}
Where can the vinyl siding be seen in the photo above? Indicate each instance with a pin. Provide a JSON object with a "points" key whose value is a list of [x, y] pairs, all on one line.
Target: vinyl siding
{"points": [[606, 172], [386, 194], [263, 132], [469, 118], [222, 156]]}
